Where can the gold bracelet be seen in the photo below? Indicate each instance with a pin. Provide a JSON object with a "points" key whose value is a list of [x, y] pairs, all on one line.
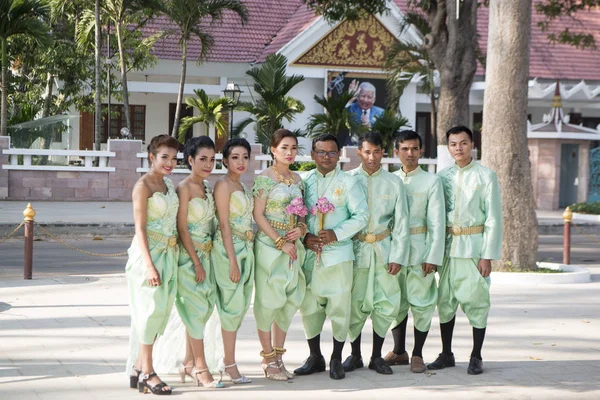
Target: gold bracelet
{"points": [[279, 242], [303, 227]]}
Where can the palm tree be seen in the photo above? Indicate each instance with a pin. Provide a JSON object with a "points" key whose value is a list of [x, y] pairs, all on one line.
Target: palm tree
{"points": [[273, 105], [335, 118], [188, 16], [19, 17], [387, 125], [406, 61], [212, 112]]}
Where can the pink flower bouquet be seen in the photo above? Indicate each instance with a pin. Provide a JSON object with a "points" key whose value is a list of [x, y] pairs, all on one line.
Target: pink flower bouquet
{"points": [[323, 207]]}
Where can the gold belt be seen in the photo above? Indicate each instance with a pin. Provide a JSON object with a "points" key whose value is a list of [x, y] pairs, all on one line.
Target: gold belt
{"points": [[280, 225], [371, 237], [170, 241], [418, 230], [204, 247], [246, 236], [464, 230]]}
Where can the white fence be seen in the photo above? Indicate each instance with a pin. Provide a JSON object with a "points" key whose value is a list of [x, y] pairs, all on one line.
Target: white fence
{"points": [[59, 160], [181, 169]]}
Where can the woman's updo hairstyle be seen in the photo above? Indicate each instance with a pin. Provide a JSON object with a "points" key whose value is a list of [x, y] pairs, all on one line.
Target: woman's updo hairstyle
{"points": [[232, 143], [278, 136], [159, 141], [193, 145]]}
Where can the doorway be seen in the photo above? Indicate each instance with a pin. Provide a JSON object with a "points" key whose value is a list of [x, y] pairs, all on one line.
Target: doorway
{"points": [[569, 174]]}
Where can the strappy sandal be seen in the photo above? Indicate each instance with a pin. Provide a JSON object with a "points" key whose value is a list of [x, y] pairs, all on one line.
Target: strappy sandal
{"points": [[280, 351], [272, 363], [134, 378], [215, 384], [223, 369], [183, 372], [157, 389]]}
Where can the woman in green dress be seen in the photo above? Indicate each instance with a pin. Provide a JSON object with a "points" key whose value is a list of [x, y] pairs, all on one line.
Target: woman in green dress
{"points": [[196, 292], [151, 270], [232, 254], [279, 252]]}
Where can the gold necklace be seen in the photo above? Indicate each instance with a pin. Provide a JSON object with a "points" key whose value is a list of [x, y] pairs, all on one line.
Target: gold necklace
{"points": [[280, 177]]}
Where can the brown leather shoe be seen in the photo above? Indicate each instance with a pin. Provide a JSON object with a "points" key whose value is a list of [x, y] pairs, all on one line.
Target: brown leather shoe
{"points": [[417, 365], [392, 358]]}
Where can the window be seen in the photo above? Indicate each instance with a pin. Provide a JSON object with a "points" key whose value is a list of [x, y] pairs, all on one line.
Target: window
{"points": [[137, 115]]}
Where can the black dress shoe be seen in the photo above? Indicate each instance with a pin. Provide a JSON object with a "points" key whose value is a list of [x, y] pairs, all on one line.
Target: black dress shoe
{"points": [[443, 361], [336, 371], [311, 365], [353, 362], [475, 366], [380, 366]]}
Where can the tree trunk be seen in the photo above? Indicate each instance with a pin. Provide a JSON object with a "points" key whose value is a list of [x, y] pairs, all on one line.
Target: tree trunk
{"points": [[451, 46], [97, 98], [433, 118], [48, 99], [504, 138], [123, 77], [4, 115], [181, 86]]}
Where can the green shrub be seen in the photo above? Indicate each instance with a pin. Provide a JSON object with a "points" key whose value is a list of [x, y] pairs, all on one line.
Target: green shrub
{"points": [[586, 208], [307, 166]]}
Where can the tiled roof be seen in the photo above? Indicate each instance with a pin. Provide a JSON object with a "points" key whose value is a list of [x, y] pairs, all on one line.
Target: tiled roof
{"points": [[273, 23]]}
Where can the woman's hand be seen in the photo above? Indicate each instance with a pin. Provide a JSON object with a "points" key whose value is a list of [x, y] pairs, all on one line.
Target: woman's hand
{"points": [[152, 276], [200, 273], [234, 272], [290, 249], [293, 234]]}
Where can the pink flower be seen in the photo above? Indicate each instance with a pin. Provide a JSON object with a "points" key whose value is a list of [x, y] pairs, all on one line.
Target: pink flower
{"points": [[296, 207], [322, 200], [314, 210], [297, 201]]}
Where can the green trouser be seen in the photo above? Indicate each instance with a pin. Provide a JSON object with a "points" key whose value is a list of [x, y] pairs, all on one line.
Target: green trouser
{"points": [[419, 294], [375, 292], [462, 283], [327, 295], [195, 300], [280, 288], [151, 305], [233, 299]]}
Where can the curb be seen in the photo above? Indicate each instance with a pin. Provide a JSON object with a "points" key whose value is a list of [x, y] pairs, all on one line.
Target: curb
{"points": [[572, 274]]}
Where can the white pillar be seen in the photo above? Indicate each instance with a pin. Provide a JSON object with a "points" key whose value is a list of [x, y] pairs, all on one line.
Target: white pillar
{"points": [[408, 105]]}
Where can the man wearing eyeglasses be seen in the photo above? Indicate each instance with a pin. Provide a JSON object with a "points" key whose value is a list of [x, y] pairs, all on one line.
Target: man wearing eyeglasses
{"points": [[328, 264]]}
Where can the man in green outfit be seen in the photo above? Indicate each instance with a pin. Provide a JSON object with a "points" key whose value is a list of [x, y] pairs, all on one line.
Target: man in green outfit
{"points": [[474, 238], [418, 288], [328, 263], [381, 248]]}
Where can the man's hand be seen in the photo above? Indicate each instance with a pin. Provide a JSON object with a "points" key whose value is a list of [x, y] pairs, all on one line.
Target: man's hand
{"points": [[312, 242], [484, 267], [327, 236], [393, 268], [429, 269]]}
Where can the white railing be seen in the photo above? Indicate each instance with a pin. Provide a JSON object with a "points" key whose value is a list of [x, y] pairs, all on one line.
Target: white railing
{"points": [[60, 160], [266, 161], [181, 169]]}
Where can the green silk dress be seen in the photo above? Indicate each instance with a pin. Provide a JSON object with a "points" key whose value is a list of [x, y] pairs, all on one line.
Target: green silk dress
{"points": [[280, 286], [196, 300], [233, 299], [151, 305]]}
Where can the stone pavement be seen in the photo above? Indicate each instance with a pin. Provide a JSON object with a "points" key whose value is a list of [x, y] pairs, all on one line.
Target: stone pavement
{"points": [[66, 338]]}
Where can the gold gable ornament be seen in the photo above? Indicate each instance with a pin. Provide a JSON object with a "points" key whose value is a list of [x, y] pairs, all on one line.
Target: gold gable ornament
{"points": [[361, 43]]}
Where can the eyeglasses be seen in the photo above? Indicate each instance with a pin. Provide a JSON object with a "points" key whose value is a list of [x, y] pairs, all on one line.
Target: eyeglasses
{"points": [[330, 154]]}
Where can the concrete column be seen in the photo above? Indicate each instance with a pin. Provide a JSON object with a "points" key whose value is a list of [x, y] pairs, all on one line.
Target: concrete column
{"points": [[408, 105], [4, 144], [350, 152], [120, 182]]}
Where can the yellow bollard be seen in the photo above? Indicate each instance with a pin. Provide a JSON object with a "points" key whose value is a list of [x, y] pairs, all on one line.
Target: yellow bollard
{"points": [[29, 214], [567, 217]]}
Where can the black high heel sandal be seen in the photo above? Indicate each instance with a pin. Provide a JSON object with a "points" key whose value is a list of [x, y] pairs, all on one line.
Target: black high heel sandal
{"points": [[133, 379], [157, 389]]}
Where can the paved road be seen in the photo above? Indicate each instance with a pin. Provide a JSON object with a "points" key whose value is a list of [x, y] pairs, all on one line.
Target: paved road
{"points": [[52, 258]]}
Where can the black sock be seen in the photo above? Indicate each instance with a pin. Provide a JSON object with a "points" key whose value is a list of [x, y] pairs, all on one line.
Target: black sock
{"points": [[314, 345], [478, 336], [377, 345], [337, 350], [419, 343], [399, 334], [447, 330], [356, 346]]}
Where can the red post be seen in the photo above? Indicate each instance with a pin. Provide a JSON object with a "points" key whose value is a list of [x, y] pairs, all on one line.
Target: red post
{"points": [[567, 217], [29, 214]]}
